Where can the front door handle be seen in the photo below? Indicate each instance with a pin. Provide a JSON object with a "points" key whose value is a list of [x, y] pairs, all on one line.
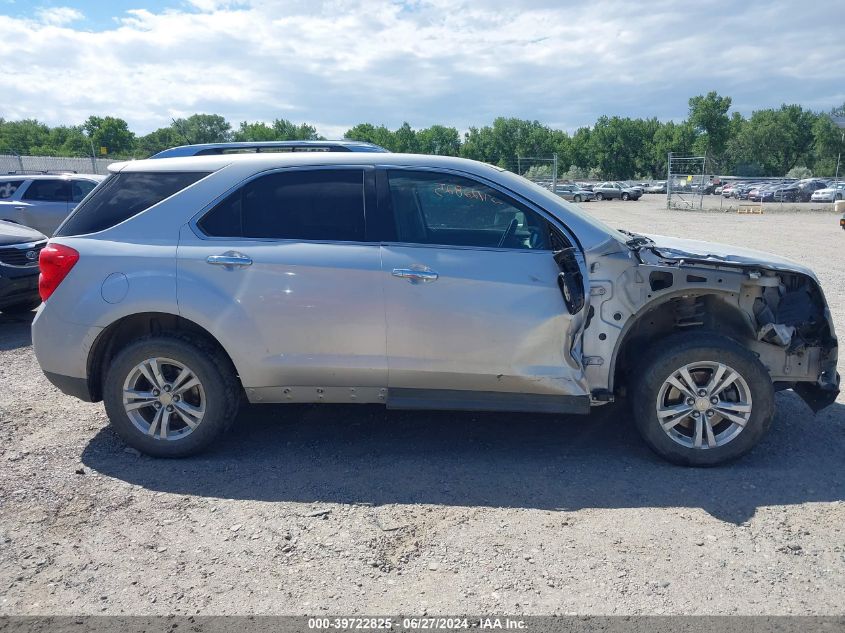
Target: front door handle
{"points": [[415, 276], [230, 260]]}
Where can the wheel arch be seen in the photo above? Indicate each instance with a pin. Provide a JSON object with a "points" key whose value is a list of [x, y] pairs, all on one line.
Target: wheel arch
{"points": [[132, 327], [668, 314]]}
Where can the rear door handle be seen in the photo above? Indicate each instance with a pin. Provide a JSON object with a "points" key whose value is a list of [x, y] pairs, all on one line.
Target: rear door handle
{"points": [[415, 276], [230, 260]]}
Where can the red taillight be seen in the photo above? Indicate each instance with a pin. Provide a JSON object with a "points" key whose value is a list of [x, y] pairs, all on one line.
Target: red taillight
{"points": [[55, 262]]}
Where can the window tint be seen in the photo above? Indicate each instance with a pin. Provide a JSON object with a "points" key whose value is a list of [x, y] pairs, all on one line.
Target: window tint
{"points": [[433, 208], [48, 191], [321, 204], [80, 189], [9, 187], [122, 196]]}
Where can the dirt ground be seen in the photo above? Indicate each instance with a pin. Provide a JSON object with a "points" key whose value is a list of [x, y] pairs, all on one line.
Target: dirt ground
{"points": [[341, 510]]}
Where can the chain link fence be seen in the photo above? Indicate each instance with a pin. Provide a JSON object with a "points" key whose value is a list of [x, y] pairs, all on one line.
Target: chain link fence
{"points": [[11, 163]]}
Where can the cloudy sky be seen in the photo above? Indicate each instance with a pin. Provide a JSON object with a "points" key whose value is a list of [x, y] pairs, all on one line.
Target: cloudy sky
{"points": [[333, 63]]}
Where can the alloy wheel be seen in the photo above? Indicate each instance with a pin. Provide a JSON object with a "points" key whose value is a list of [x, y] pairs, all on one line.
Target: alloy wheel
{"points": [[164, 398], [704, 405]]}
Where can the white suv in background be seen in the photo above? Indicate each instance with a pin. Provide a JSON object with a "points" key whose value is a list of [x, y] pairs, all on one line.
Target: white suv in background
{"points": [[43, 201]]}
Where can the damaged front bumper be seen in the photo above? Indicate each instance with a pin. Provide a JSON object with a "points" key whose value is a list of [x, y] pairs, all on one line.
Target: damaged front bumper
{"points": [[785, 307]]}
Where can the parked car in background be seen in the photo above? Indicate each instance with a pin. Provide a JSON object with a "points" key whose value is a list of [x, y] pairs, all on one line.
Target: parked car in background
{"points": [[808, 186], [829, 194], [785, 193], [19, 250], [616, 190], [656, 187], [575, 193], [43, 201], [180, 287], [259, 147]]}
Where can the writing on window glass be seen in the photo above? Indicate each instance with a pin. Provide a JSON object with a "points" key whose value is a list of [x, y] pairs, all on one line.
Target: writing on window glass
{"points": [[469, 193]]}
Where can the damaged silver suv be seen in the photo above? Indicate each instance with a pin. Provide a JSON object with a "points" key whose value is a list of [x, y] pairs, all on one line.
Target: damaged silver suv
{"points": [[182, 286]]}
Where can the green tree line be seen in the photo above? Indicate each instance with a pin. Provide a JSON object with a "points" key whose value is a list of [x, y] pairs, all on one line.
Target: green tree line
{"points": [[771, 142]]}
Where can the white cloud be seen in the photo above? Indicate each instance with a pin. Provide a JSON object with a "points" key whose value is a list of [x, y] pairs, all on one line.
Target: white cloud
{"points": [[335, 63], [58, 15]]}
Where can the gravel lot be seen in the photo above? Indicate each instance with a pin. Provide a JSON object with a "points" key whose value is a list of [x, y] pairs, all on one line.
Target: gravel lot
{"points": [[357, 510]]}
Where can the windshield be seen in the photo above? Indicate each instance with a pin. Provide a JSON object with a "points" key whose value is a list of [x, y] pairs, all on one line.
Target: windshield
{"points": [[552, 201]]}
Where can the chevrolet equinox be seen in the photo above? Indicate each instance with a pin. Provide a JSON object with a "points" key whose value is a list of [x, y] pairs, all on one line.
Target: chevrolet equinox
{"points": [[181, 286]]}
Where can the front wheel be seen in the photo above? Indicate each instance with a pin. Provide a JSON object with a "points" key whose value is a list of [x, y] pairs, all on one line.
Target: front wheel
{"points": [[702, 399], [169, 396], [625, 196], [599, 196], [576, 199]]}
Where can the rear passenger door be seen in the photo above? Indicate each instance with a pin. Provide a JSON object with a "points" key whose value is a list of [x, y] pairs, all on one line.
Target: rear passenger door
{"points": [[282, 271], [475, 317], [45, 204]]}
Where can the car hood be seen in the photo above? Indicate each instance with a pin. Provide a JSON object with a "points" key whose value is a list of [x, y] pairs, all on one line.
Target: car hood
{"points": [[826, 190], [11, 233], [677, 248]]}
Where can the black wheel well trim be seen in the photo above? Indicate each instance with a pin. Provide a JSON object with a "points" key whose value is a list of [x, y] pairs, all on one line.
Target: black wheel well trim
{"points": [[108, 343], [662, 301]]}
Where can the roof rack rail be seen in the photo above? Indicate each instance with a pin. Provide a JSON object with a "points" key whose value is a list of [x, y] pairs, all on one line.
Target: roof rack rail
{"points": [[41, 172], [205, 149]]}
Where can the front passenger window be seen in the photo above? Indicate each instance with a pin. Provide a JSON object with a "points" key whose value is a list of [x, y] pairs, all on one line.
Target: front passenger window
{"points": [[436, 208]]}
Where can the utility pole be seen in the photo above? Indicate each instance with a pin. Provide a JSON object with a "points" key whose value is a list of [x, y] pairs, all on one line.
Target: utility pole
{"points": [[839, 121], [669, 181], [554, 174]]}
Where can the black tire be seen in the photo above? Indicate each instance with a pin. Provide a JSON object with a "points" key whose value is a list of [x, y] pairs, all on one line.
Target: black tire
{"points": [[576, 199], [211, 367], [625, 196], [23, 307], [672, 354], [599, 196]]}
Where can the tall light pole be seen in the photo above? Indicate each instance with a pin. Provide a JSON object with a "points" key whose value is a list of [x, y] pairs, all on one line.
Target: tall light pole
{"points": [[839, 121]]}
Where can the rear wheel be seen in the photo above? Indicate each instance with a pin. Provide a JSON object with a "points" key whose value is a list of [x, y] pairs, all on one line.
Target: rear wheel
{"points": [[702, 399], [576, 199], [169, 396]]}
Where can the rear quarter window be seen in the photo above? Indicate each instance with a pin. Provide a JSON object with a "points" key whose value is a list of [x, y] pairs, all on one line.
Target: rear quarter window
{"points": [[8, 188], [122, 196]]}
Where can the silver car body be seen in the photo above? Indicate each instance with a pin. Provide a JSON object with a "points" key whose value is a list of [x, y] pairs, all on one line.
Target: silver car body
{"points": [[45, 211], [409, 325], [829, 194]]}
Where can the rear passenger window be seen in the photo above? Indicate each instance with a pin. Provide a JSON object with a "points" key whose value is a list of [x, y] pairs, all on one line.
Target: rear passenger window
{"points": [[48, 191], [9, 187], [122, 196], [322, 204]]}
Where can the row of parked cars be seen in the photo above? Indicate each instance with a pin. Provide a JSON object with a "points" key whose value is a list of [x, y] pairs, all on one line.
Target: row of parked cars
{"points": [[610, 190], [807, 190]]}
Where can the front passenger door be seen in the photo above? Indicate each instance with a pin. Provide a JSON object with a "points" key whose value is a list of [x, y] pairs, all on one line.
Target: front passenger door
{"points": [[475, 317]]}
